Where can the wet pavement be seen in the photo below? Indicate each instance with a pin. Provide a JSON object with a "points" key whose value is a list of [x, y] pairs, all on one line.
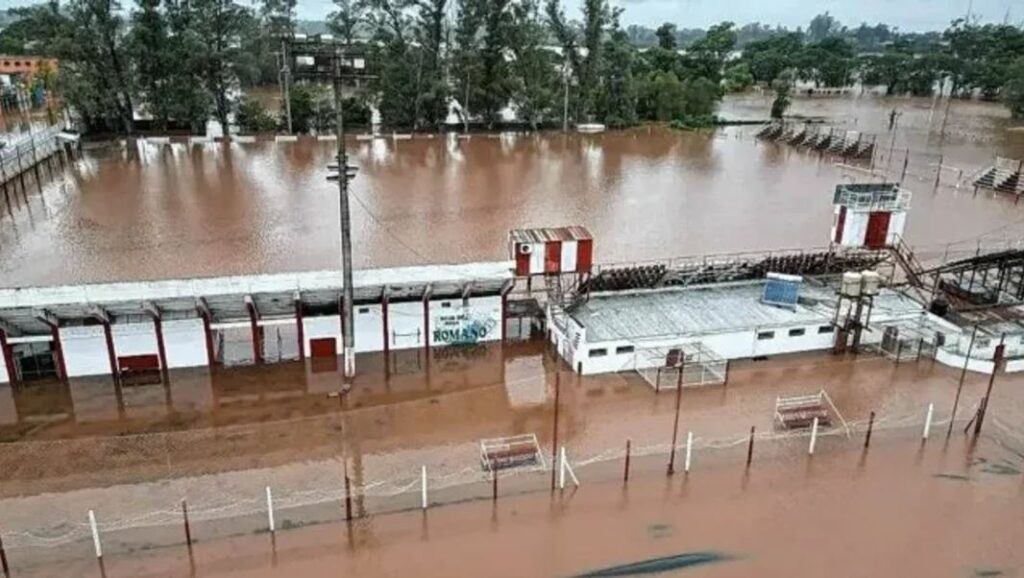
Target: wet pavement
{"points": [[179, 211]]}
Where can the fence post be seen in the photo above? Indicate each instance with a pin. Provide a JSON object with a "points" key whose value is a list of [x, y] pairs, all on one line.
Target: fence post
{"points": [[494, 484], [938, 173], [906, 161], [3, 559], [928, 421], [814, 437], [188, 529], [270, 510], [750, 447], [423, 485], [871, 425], [689, 451], [95, 535], [625, 472], [348, 498]]}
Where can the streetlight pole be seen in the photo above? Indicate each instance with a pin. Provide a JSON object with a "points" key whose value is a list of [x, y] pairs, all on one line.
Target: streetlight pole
{"points": [[285, 82]]}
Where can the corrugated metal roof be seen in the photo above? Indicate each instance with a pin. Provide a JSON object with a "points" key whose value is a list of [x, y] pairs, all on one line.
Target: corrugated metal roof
{"points": [[711, 309], [545, 234]]}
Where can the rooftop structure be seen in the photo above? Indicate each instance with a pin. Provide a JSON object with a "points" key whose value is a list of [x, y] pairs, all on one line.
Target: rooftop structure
{"points": [[870, 215]]}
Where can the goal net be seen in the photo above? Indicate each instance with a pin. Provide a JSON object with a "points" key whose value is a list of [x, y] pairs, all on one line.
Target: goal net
{"points": [[660, 366]]}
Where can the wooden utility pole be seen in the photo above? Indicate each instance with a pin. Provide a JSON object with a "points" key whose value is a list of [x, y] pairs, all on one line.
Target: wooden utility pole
{"points": [[554, 428], [997, 358], [675, 425], [960, 387]]}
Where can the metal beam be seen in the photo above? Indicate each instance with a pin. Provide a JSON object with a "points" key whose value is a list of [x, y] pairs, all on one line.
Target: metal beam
{"points": [[46, 317], [152, 309], [97, 312], [9, 329]]}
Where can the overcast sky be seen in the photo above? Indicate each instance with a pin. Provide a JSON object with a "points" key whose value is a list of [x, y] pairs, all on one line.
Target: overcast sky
{"points": [[908, 15]]}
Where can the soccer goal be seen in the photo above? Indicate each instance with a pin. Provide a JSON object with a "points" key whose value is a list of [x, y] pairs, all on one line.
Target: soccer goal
{"points": [[660, 366]]}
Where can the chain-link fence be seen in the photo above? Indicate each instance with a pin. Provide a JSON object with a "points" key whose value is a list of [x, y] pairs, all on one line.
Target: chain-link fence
{"points": [[138, 516]]}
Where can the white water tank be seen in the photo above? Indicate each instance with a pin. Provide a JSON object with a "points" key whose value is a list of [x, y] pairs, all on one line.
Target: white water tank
{"points": [[851, 284], [871, 282]]}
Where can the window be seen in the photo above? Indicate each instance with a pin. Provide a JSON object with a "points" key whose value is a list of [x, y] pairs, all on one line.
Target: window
{"points": [[983, 343], [826, 329], [446, 304], [796, 332], [764, 335], [598, 352], [623, 349], [364, 309]]}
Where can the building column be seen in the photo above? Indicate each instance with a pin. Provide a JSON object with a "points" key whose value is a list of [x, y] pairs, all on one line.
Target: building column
{"points": [[299, 329], [385, 299], [111, 353], [257, 341], [8, 355], [427, 293], [161, 349], [58, 353], [504, 308], [207, 317]]}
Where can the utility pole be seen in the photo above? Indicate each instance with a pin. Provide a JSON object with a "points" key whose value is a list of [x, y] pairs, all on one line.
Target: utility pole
{"points": [[997, 358], [329, 61], [345, 172], [285, 82], [565, 103]]}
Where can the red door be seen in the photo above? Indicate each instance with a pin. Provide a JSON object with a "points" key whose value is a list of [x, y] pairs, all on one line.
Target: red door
{"points": [[584, 255], [552, 256], [522, 259], [878, 230], [323, 347]]}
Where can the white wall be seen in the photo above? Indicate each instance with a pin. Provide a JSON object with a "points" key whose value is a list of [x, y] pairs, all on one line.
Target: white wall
{"points": [[452, 322], [855, 228], [85, 350], [405, 319], [134, 339], [4, 378], [185, 343], [368, 324], [320, 328], [897, 221]]}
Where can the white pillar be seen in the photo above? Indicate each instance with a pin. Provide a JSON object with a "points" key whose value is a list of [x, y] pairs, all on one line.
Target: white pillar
{"points": [[423, 485], [814, 436], [689, 451], [928, 421], [561, 469], [95, 534], [270, 510]]}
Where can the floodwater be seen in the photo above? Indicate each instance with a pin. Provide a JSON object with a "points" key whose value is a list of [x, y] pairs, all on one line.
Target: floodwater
{"points": [[179, 211], [218, 439]]}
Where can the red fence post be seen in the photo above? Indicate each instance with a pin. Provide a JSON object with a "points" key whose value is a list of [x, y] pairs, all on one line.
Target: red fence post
{"points": [[625, 473], [750, 447]]}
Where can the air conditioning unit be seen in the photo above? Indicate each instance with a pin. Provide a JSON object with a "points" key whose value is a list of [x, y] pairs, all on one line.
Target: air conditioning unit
{"points": [[524, 249]]}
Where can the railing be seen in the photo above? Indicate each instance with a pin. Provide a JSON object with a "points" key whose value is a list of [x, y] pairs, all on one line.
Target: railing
{"points": [[18, 156]]}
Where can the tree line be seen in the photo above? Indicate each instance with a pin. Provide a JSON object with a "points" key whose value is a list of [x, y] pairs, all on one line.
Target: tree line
{"points": [[182, 62]]}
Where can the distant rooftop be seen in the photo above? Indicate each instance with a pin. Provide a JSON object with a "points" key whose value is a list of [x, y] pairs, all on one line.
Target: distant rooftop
{"points": [[719, 308]]}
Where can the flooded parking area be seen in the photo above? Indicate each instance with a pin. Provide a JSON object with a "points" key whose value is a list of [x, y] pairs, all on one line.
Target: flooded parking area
{"points": [[198, 210]]}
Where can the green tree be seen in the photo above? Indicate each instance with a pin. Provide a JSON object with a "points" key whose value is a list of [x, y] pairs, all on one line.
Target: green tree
{"points": [[219, 24], [1013, 91], [823, 26], [431, 84], [706, 57], [738, 78], [346, 19], [666, 34], [662, 97], [465, 58], [535, 69], [148, 43], [253, 117], [617, 102], [278, 17], [769, 57], [395, 61], [783, 86]]}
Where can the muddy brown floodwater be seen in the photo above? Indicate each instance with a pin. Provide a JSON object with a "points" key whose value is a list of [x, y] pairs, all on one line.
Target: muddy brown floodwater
{"points": [[645, 193]]}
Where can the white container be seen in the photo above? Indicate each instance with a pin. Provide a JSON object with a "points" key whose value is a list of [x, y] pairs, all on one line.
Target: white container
{"points": [[851, 284], [871, 282]]}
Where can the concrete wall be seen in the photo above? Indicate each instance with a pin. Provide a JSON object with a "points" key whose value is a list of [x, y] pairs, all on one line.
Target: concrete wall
{"points": [[368, 325], [185, 343], [320, 328], [134, 339], [4, 378], [406, 325], [85, 350]]}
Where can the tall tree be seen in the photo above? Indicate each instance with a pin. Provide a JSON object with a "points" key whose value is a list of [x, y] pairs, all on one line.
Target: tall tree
{"points": [[346, 19], [465, 57], [534, 68], [219, 24], [666, 34], [151, 59], [431, 80], [396, 60], [278, 17]]}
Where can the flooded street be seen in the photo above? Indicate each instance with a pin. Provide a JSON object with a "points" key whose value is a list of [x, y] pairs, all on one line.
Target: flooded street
{"points": [[200, 210]]}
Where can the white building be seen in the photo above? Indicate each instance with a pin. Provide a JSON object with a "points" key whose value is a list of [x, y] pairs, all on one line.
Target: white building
{"points": [[616, 331]]}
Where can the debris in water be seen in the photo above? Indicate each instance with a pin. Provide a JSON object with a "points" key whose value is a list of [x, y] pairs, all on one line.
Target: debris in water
{"points": [[658, 565]]}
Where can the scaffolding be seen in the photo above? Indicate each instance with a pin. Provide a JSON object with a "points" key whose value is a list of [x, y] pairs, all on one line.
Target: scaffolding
{"points": [[910, 340], [660, 366]]}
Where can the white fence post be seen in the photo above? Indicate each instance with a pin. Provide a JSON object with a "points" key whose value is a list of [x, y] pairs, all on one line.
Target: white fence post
{"points": [[95, 534], [689, 451], [928, 421], [423, 486], [270, 509], [814, 436]]}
